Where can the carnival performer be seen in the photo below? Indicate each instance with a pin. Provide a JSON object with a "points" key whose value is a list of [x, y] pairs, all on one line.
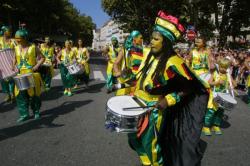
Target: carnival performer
{"points": [[111, 53], [220, 83], [47, 70], [128, 61], [27, 56], [170, 133], [202, 64], [200, 57], [66, 57], [6, 42], [82, 56], [247, 66]]}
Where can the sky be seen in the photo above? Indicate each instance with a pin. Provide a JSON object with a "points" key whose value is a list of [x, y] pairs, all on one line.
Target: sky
{"points": [[93, 9]]}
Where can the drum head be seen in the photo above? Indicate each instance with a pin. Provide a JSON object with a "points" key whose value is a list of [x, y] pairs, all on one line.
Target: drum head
{"points": [[117, 103], [23, 75], [205, 76], [227, 97]]}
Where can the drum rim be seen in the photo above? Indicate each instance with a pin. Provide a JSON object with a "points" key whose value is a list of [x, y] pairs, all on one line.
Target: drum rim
{"points": [[120, 115], [21, 75], [235, 101]]}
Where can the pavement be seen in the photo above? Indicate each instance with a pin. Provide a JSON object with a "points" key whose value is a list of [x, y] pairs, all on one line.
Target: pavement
{"points": [[71, 131]]}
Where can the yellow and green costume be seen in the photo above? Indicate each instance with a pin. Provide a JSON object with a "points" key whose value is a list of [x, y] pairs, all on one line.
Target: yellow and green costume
{"points": [[214, 116], [81, 59], [199, 62], [67, 58], [47, 72], [169, 136], [7, 84], [248, 87], [112, 54], [131, 61], [25, 62]]}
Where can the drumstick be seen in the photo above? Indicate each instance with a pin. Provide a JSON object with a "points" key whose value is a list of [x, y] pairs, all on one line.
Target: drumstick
{"points": [[129, 108], [230, 82]]}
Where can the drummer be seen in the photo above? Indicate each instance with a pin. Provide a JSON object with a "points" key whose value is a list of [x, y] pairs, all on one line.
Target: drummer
{"points": [[64, 58], [202, 62], [26, 61], [47, 71], [247, 66], [200, 57], [128, 61], [170, 133], [111, 53], [220, 83], [82, 56], [7, 43]]}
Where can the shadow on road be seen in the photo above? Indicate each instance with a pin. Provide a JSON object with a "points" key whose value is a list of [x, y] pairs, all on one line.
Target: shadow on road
{"points": [[46, 120], [92, 88], [5, 107], [225, 124], [57, 92], [244, 98], [203, 146]]}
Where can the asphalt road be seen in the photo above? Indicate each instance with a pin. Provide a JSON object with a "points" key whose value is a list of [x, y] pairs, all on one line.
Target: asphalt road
{"points": [[71, 132]]}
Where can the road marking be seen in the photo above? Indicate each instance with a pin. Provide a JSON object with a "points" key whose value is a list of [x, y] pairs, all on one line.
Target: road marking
{"points": [[98, 75], [57, 77]]}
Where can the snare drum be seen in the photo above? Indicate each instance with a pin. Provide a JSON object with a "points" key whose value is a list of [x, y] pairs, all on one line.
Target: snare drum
{"points": [[120, 119], [6, 62], [75, 69], [24, 81], [225, 100], [205, 76]]}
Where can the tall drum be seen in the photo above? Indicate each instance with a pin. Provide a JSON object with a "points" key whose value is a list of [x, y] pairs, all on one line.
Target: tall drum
{"points": [[6, 63]]}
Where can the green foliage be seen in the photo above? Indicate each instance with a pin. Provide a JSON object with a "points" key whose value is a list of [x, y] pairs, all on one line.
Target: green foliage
{"points": [[140, 15], [47, 17]]}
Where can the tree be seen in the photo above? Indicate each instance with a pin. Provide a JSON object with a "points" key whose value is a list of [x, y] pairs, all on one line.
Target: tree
{"points": [[139, 14], [230, 15], [48, 17]]}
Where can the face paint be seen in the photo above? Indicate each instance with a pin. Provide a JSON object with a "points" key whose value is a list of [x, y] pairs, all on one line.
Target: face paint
{"points": [[199, 42], [7, 33], [114, 42], [79, 42], [47, 40], [156, 42], [138, 40], [67, 44]]}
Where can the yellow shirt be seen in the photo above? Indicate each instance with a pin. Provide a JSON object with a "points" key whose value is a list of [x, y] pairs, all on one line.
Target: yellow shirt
{"points": [[5, 45], [113, 53], [48, 52], [81, 54], [199, 62], [26, 60], [68, 57], [217, 77]]}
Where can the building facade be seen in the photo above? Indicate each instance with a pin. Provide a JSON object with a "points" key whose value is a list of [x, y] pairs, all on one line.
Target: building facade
{"points": [[102, 36]]}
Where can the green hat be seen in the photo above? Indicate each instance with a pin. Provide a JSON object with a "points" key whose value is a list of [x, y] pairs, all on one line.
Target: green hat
{"points": [[5, 28], [129, 40], [169, 26], [114, 38], [21, 33]]}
